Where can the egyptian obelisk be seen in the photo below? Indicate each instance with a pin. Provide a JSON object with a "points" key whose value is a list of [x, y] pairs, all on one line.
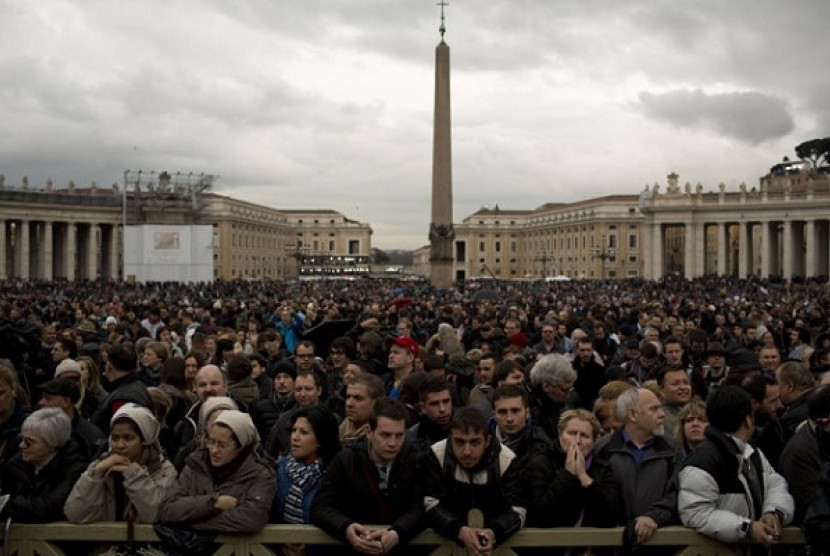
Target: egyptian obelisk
{"points": [[441, 233]]}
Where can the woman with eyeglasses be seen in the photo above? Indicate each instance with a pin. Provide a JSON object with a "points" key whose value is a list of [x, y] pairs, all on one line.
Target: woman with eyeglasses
{"points": [[225, 487], [40, 477]]}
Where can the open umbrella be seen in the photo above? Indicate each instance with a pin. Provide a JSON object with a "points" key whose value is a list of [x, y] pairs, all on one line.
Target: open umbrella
{"points": [[482, 295], [324, 333]]}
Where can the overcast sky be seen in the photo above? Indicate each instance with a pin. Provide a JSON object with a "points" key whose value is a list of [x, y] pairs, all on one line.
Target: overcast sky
{"points": [[328, 103]]}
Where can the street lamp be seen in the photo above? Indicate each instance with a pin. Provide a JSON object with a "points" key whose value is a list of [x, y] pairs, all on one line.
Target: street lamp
{"points": [[603, 254], [543, 258], [297, 252]]}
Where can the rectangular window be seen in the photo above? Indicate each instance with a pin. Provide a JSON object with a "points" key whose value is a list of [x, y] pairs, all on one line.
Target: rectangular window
{"points": [[632, 241], [498, 247]]}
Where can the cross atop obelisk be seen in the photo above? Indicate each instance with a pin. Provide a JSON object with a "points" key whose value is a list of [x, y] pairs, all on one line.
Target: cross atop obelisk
{"points": [[441, 233]]}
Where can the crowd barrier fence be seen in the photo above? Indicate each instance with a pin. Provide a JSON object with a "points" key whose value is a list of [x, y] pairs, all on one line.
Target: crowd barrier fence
{"points": [[43, 539]]}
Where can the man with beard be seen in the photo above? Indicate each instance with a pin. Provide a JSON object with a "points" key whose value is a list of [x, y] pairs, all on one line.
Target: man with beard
{"points": [[590, 374], [801, 459], [769, 434], [471, 470], [643, 463]]}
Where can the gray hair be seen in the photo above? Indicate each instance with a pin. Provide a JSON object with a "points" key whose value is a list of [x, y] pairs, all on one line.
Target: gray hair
{"points": [[51, 424], [554, 369], [627, 401]]}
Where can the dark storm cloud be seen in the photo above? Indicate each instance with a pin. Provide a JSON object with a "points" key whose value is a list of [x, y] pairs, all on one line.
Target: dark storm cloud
{"points": [[750, 117]]}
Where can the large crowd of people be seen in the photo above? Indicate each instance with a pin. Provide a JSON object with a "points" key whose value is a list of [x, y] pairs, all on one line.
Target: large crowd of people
{"points": [[476, 410]]}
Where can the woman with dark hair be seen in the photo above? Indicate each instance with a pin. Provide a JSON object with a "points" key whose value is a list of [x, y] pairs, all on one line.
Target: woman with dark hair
{"points": [[41, 475], [225, 487], [174, 384], [314, 442], [128, 482], [12, 412]]}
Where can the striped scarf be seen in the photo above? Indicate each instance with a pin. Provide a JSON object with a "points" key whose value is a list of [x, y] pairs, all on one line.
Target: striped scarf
{"points": [[304, 476]]}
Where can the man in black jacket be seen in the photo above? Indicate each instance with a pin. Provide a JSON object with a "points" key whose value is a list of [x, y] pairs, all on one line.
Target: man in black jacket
{"points": [[471, 470], [373, 482], [125, 386]]}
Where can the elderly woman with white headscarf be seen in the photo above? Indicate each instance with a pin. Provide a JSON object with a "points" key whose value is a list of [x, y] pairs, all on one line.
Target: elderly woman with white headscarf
{"points": [[126, 483], [41, 475], [226, 486]]}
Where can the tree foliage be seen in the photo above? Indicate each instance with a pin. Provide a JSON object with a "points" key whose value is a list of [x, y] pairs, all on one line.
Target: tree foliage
{"points": [[816, 151], [379, 256]]}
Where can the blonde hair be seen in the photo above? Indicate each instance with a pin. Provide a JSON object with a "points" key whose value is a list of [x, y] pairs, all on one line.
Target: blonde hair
{"points": [[582, 415]]}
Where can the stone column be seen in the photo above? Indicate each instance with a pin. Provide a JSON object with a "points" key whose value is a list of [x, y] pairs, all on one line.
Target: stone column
{"points": [[700, 249], [788, 246], [71, 250], [24, 250], [646, 250], [47, 254], [810, 248], [92, 252], [3, 269], [689, 252], [722, 249], [743, 250], [114, 250], [766, 249], [657, 251]]}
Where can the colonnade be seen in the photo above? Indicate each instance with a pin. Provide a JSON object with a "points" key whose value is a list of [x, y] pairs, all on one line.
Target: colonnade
{"points": [[786, 247], [39, 249]]}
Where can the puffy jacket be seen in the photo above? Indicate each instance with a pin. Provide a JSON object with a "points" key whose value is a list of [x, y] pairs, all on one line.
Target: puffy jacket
{"points": [[191, 498], [268, 411], [93, 497], [715, 498], [492, 486]]}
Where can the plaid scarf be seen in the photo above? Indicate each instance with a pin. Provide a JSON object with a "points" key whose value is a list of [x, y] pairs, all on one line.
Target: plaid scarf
{"points": [[304, 476]]}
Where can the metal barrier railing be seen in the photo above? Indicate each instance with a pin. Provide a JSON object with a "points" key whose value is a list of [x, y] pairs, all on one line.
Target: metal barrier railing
{"points": [[43, 539]]}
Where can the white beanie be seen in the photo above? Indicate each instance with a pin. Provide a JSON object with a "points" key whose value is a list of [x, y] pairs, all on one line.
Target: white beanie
{"points": [[212, 404], [241, 425], [143, 419], [67, 366]]}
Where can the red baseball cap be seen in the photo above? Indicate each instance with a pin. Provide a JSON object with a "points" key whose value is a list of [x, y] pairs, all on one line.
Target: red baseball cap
{"points": [[404, 342]]}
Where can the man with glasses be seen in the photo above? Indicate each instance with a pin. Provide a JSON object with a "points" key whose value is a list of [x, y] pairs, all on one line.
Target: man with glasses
{"points": [[550, 342], [552, 381]]}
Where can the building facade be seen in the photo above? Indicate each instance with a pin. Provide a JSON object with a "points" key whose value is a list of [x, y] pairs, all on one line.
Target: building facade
{"points": [[780, 228], [77, 233]]}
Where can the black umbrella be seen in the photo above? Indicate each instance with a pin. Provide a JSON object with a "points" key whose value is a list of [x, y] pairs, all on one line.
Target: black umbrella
{"points": [[482, 295], [324, 333]]}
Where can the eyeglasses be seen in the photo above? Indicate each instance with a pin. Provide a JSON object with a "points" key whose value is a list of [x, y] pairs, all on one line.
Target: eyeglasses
{"points": [[218, 444], [27, 441]]}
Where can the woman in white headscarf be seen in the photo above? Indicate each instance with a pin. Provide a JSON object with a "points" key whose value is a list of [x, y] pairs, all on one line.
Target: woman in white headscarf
{"points": [[225, 487], [126, 483]]}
